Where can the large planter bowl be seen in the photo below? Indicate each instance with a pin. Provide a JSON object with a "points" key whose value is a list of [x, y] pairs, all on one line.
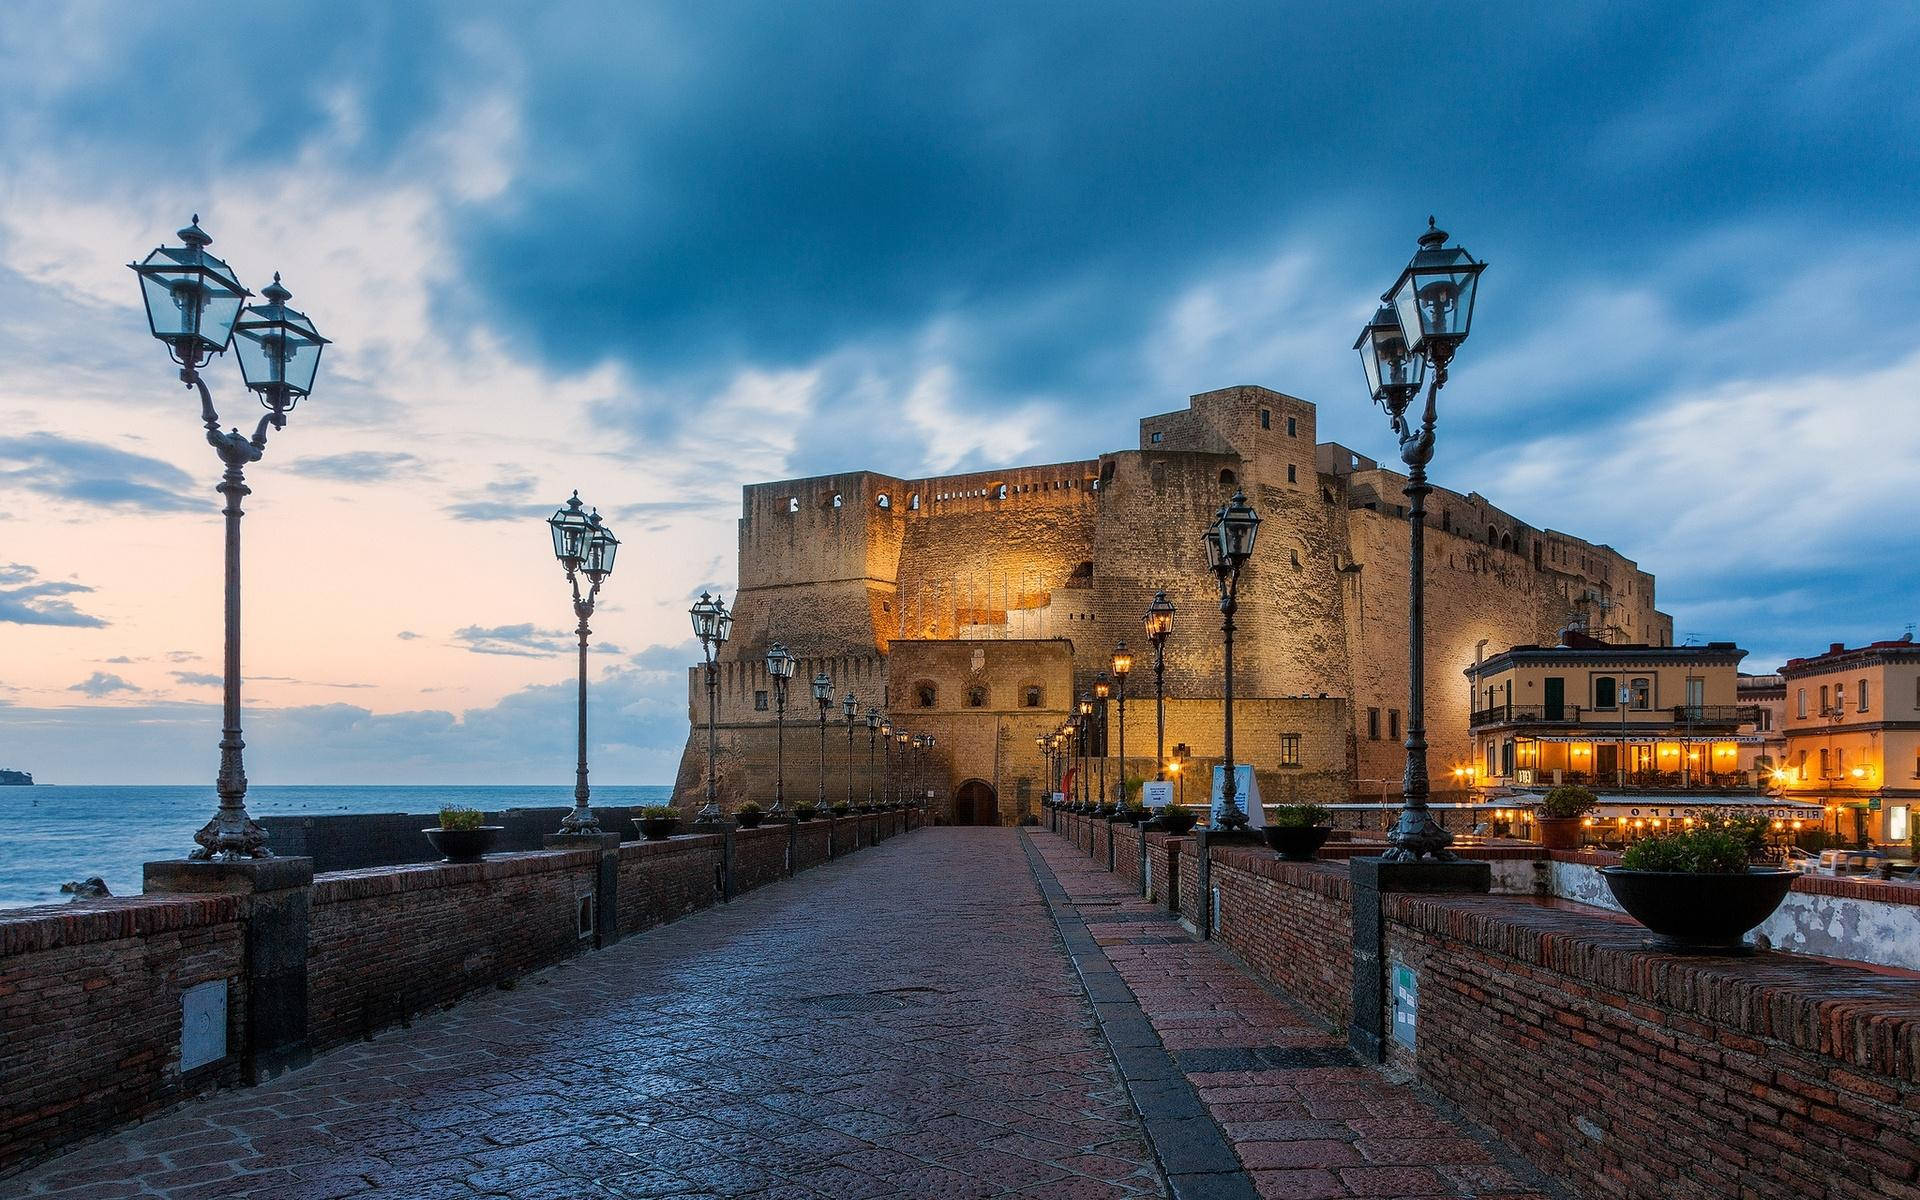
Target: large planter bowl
{"points": [[750, 820], [1176, 822], [1560, 833], [464, 845], [657, 829], [806, 813], [1700, 913], [1296, 843]]}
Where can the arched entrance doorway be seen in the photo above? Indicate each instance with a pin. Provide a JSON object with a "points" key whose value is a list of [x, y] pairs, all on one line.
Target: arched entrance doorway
{"points": [[975, 804]]}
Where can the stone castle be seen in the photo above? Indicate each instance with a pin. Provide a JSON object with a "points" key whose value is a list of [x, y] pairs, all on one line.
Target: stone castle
{"points": [[978, 607]]}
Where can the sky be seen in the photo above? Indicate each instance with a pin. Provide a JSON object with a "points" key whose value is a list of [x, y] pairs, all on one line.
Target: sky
{"points": [[656, 251]]}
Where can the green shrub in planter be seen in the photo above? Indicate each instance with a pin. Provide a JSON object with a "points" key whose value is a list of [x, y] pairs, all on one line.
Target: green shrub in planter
{"points": [[1566, 801], [805, 812], [842, 808], [657, 821], [455, 817], [1693, 852], [1298, 816]]}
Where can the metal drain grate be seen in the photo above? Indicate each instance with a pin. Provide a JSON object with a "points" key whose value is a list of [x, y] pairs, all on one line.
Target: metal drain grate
{"points": [[856, 1002]]}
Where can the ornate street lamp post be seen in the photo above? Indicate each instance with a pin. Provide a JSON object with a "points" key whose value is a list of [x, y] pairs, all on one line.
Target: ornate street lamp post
{"points": [[1159, 623], [1102, 691], [851, 707], [904, 774], [195, 305], [1085, 747], [1425, 316], [927, 743], [823, 696], [873, 729], [1229, 546], [1181, 753], [780, 664], [584, 547], [1122, 666], [712, 624]]}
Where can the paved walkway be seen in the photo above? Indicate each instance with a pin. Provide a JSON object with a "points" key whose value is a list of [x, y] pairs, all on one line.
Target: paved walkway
{"points": [[899, 1023], [1281, 1096]]}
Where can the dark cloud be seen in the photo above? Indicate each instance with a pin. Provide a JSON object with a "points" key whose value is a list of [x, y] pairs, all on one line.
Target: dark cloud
{"points": [[497, 510], [407, 635], [197, 678], [26, 599], [82, 475], [525, 641], [366, 466], [101, 683]]}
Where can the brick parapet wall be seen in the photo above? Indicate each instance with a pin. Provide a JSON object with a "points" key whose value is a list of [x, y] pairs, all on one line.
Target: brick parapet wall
{"points": [[90, 1012], [389, 942], [90, 993], [1621, 1071]]}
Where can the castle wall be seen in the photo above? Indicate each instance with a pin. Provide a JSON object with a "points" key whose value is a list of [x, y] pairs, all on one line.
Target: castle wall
{"points": [[1049, 566]]}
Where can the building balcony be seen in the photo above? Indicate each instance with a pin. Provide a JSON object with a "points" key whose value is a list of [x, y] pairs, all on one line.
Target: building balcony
{"points": [[1526, 714], [1676, 719]]}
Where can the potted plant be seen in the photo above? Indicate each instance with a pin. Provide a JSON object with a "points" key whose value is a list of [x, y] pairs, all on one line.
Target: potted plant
{"points": [[749, 814], [1697, 889], [805, 811], [840, 808], [1177, 819], [1561, 810], [657, 821], [462, 836], [1296, 831]]}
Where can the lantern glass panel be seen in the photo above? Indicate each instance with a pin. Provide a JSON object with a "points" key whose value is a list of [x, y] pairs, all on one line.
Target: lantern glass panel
{"points": [[279, 350], [569, 526], [705, 619], [724, 625], [823, 688], [850, 706], [1122, 660], [780, 661], [601, 548], [192, 298]]}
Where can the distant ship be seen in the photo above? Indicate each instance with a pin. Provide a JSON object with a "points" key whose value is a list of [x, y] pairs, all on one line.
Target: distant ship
{"points": [[15, 778]]}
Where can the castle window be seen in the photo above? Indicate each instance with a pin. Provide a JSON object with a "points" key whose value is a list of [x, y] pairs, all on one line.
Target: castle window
{"points": [[1326, 494], [999, 491], [793, 504], [1266, 418], [760, 701], [976, 697], [1293, 428], [1289, 749], [1493, 536], [925, 694], [1083, 569], [1373, 724], [1393, 724], [1031, 696], [1155, 437], [1293, 557], [883, 500], [1106, 471], [1290, 475], [913, 502], [1506, 542], [1226, 478]]}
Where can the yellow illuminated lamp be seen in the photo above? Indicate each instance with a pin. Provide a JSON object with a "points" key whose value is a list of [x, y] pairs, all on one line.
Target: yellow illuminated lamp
{"points": [[1173, 766], [1858, 772], [1587, 822], [1656, 822], [1779, 776], [1796, 825], [1779, 824], [1688, 822]]}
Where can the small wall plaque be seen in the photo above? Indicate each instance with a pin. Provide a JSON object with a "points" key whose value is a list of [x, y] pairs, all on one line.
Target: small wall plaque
{"points": [[203, 1024], [1406, 1004]]}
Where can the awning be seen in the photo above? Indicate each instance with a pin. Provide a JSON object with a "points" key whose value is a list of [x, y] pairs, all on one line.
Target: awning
{"points": [[1641, 739]]}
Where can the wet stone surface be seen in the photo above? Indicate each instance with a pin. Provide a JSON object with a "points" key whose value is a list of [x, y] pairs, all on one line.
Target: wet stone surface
{"points": [[900, 1023]]}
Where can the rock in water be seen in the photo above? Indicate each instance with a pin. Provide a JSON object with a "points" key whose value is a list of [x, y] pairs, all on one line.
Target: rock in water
{"points": [[90, 888]]}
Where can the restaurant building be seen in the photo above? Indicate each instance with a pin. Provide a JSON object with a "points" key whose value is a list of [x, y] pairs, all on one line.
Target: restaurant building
{"points": [[1853, 739], [1658, 733]]}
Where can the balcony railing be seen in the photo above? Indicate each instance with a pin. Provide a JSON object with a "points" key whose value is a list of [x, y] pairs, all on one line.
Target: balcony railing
{"points": [[1714, 714], [1527, 714]]}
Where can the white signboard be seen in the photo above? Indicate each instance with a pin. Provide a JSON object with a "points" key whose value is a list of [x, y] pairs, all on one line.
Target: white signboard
{"points": [[1059, 797], [1156, 793], [1246, 796]]}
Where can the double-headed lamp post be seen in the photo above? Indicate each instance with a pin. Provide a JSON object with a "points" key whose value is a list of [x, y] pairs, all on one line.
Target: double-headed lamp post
{"points": [[1423, 319], [583, 546], [1229, 545], [780, 664], [823, 696], [713, 625], [198, 308], [1122, 665], [1102, 691], [873, 729], [851, 708]]}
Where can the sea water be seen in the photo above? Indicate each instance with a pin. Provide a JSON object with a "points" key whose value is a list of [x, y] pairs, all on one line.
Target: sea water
{"points": [[51, 835]]}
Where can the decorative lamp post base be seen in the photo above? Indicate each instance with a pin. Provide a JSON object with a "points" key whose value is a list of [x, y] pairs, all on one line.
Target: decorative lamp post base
{"points": [[232, 836], [581, 822], [1417, 837], [711, 817]]}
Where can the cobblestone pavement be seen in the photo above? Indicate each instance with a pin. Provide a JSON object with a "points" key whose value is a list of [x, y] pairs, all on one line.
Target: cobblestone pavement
{"points": [[900, 1023], [1303, 1118]]}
